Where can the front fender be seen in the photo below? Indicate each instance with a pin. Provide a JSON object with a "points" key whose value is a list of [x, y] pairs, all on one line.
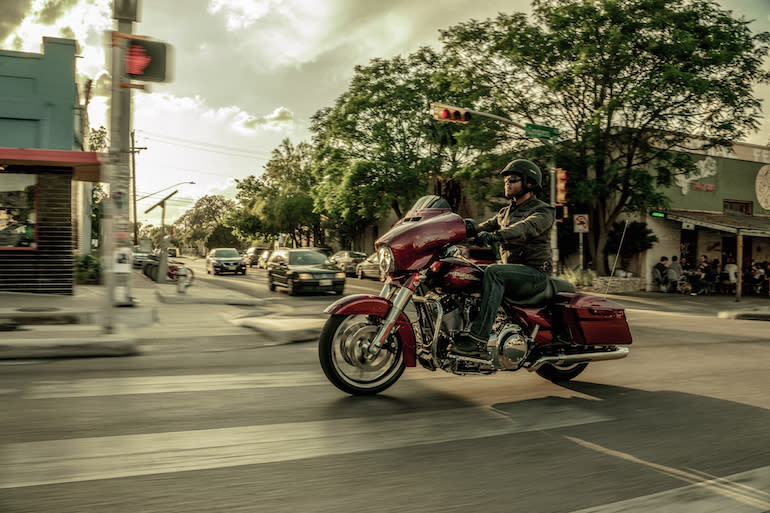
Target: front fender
{"points": [[364, 304]]}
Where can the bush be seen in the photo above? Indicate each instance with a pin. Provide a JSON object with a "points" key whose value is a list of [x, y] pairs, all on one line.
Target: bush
{"points": [[578, 278], [87, 270]]}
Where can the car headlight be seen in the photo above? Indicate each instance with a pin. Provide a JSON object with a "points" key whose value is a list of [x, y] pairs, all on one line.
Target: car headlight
{"points": [[305, 276], [339, 275], [387, 260]]}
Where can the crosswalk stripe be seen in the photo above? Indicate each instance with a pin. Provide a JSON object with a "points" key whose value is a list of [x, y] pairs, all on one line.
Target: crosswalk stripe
{"points": [[95, 387], [84, 459]]}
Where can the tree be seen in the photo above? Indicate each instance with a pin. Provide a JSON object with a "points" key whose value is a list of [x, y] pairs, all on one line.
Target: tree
{"points": [[631, 84], [378, 149], [195, 226]]}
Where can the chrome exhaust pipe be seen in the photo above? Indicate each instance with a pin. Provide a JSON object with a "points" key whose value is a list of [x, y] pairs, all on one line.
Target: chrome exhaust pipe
{"points": [[617, 354]]}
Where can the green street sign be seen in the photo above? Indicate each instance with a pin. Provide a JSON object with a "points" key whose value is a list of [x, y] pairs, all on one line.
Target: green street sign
{"points": [[546, 133]]}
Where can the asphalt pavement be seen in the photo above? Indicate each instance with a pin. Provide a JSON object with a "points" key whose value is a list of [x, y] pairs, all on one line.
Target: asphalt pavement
{"points": [[39, 325]]}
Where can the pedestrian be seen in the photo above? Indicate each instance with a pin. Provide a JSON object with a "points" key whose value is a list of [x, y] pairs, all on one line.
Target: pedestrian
{"points": [[674, 274], [660, 274]]}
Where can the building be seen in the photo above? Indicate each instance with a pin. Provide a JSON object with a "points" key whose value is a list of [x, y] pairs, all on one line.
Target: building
{"points": [[40, 139], [721, 211]]}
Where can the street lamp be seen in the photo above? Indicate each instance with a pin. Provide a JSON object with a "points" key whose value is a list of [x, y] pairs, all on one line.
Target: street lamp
{"points": [[136, 228]]}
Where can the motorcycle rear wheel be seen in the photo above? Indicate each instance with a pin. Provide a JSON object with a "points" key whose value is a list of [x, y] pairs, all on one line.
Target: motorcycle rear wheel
{"points": [[345, 362], [564, 372]]}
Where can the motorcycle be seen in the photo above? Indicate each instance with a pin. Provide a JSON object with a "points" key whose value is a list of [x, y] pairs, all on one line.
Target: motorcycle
{"points": [[368, 341]]}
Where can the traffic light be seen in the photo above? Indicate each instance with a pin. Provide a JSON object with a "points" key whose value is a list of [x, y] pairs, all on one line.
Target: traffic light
{"points": [[450, 113], [561, 186], [146, 60]]}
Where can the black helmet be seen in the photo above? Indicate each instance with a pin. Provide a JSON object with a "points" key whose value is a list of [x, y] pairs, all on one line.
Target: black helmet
{"points": [[531, 177]]}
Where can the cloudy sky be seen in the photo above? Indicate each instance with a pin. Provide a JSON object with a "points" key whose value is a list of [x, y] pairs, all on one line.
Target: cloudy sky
{"points": [[249, 73]]}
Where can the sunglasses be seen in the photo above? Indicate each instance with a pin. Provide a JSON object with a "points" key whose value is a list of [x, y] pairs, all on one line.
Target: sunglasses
{"points": [[513, 179]]}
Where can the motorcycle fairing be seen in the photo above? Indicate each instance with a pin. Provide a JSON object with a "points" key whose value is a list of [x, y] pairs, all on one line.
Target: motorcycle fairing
{"points": [[414, 245], [365, 304]]}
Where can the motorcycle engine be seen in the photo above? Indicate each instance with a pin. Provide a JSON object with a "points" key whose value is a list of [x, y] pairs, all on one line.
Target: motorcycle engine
{"points": [[511, 347]]}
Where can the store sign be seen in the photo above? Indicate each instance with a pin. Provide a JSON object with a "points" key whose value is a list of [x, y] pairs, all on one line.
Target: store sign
{"points": [[708, 187]]}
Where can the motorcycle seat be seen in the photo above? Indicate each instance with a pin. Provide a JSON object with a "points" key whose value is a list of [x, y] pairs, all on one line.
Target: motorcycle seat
{"points": [[552, 288]]}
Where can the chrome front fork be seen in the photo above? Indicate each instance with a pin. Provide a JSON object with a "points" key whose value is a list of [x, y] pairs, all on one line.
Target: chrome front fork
{"points": [[400, 301]]}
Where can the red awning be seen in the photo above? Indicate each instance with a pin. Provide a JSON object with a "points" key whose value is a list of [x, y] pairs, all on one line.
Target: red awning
{"points": [[85, 165]]}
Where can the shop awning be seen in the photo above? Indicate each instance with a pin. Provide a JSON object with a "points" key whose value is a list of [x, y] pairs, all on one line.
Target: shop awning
{"points": [[751, 226], [85, 165]]}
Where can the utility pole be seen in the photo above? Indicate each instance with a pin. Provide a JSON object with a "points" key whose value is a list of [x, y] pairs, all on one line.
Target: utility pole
{"points": [[134, 151]]}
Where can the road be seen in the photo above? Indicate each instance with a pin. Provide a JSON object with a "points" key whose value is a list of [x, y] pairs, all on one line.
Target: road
{"points": [[679, 426]]}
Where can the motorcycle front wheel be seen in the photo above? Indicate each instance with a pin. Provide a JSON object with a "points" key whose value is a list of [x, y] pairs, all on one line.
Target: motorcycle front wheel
{"points": [[346, 362]]}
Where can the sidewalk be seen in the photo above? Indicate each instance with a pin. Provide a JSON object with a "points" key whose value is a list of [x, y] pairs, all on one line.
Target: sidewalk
{"points": [[75, 326], [72, 326]]}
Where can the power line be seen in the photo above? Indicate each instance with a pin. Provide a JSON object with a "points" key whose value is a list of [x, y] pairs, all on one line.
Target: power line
{"points": [[204, 146]]}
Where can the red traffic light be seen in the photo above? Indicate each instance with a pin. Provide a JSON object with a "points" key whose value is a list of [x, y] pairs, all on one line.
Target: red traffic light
{"points": [[450, 113]]}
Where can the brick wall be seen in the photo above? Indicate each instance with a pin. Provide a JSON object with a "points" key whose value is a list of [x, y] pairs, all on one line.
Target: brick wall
{"points": [[49, 268]]}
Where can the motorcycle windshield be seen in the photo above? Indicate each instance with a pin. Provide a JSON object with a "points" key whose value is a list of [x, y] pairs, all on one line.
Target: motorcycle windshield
{"points": [[415, 244], [425, 207]]}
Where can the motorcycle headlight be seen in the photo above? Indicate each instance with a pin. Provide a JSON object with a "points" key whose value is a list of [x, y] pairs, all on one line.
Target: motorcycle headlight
{"points": [[387, 260]]}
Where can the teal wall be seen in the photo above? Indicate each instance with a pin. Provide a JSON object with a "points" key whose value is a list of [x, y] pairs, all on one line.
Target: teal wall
{"points": [[38, 97], [733, 180]]}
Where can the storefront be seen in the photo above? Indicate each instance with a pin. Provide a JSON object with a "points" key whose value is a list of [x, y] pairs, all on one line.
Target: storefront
{"points": [[722, 211], [36, 239]]}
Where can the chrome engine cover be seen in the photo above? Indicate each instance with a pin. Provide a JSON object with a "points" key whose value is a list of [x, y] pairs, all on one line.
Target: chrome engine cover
{"points": [[510, 348]]}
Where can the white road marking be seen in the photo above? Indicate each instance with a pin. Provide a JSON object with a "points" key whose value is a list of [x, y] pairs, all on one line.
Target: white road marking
{"points": [[85, 459], [738, 493], [95, 387]]}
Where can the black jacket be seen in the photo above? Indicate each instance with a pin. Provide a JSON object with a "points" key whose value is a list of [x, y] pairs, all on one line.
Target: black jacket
{"points": [[526, 232]]}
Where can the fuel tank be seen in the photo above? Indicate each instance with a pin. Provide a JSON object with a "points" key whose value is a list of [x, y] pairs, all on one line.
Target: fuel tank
{"points": [[459, 276]]}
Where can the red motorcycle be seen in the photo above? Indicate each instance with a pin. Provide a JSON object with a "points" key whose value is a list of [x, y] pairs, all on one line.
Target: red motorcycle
{"points": [[368, 341]]}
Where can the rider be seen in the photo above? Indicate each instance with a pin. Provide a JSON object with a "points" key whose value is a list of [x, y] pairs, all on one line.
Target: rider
{"points": [[523, 230]]}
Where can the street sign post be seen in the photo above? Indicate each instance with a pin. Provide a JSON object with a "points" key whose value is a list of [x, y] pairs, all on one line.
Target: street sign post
{"points": [[542, 132], [580, 226]]}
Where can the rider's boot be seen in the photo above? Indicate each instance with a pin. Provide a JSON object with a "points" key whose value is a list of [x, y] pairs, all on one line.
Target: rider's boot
{"points": [[468, 346]]}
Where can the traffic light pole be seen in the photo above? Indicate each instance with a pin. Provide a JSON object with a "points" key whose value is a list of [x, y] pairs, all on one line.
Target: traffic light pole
{"points": [[116, 250]]}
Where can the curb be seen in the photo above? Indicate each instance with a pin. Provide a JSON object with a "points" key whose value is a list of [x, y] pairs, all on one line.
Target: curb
{"points": [[105, 345]]}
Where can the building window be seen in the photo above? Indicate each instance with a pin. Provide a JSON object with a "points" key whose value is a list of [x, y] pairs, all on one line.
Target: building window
{"points": [[737, 207], [18, 217]]}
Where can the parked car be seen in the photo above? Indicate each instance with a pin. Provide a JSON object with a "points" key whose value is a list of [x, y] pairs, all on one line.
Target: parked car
{"points": [[263, 258], [225, 260], [303, 270], [370, 268], [326, 250], [347, 260], [252, 255], [173, 252], [140, 256], [478, 255]]}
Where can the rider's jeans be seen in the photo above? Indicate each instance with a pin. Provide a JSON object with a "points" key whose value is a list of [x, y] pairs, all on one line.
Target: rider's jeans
{"points": [[511, 280]]}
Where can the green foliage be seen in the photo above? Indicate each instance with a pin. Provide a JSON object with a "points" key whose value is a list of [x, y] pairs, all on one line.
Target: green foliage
{"points": [[579, 278], [196, 225], [87, 270], [627, 83], [223, 237]]}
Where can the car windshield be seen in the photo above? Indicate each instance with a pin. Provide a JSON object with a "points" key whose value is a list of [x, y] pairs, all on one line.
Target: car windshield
{"points": [[226, 253], [307, 258]]}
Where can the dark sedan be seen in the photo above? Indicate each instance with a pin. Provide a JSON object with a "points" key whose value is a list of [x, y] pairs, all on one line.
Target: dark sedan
{"points": [[225, 260], [347, 260], [303, 270]]}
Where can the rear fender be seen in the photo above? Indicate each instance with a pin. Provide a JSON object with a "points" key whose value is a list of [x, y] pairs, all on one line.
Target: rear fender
{"points": [[363, 304]]}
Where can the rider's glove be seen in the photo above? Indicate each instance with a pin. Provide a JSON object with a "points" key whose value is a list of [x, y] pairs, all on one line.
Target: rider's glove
{"points": [[487, 238]]}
